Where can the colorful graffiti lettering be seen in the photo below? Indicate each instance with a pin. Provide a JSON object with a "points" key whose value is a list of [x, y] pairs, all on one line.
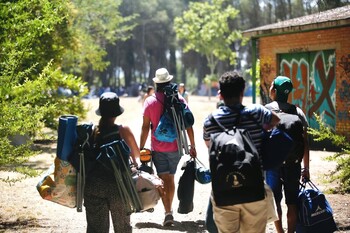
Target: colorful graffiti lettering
{"points": [[313, 77]]}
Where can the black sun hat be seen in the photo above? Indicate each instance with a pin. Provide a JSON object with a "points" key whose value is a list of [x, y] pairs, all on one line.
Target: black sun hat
{"points": [[109, 105]]}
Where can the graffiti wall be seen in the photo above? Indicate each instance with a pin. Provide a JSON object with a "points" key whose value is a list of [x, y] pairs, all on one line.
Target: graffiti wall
{"points": [[344, 89], [313, 77]]}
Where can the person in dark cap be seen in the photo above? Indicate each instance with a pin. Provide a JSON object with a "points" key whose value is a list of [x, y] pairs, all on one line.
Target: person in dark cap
{"points": [[101, 195], [287, 177]]}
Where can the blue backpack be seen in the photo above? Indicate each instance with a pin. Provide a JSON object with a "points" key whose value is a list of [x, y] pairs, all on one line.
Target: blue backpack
{"points": [[176, 118], [314, 212]]}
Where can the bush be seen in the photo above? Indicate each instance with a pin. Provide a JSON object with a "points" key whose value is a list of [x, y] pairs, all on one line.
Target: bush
{"points": [[34, 37], [342, 172]]}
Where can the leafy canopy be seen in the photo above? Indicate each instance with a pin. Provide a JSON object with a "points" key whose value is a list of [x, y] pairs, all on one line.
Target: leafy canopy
{"points": [[205, 28], [95, 24]]}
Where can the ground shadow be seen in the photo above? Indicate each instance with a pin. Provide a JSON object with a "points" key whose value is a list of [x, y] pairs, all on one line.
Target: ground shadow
{"points": [[344, 228], [20, 224], [185, 226]]}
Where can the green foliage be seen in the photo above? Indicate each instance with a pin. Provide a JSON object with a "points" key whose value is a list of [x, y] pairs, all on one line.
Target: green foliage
{"points": [[94, 24], [205, 28], [208, 79], [33, 37], [342, 171], [32, 33]]}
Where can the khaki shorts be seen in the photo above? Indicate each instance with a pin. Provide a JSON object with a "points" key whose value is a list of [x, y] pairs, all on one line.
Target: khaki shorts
{"points": [[247, 217]]}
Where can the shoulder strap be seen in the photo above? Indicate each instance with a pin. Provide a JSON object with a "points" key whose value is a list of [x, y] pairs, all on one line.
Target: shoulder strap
{"points": [[292, 110], [163, 104], [237, 123], [212, 118], [114, 131], [111, 134], [273, 106]]}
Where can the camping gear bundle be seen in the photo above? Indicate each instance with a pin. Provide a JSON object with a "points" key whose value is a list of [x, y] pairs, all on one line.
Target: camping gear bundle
{"points": [[64, 181], [176, 118]]}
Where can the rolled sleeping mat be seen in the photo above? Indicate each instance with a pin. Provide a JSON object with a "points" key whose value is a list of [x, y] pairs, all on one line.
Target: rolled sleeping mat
{"points": [[67, 136]]}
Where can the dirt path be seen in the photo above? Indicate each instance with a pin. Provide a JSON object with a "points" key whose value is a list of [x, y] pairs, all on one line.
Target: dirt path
{"points": [[23, 210]]}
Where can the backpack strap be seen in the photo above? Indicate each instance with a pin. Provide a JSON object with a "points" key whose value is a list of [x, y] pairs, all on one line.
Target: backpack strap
{"points": [[212, 119], [110, 135], [237, 123], [278, 107], [292, 110]]}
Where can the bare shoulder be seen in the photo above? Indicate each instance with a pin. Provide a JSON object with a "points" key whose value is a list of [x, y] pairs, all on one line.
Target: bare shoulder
{"points": [[124, 129]]}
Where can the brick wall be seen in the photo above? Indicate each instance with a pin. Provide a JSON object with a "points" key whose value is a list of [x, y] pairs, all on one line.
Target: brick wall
{"points": [[337, 39]]}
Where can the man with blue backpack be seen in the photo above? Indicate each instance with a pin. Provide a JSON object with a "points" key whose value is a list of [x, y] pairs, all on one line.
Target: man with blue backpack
{"points": [[166, 150], [287, 176]]}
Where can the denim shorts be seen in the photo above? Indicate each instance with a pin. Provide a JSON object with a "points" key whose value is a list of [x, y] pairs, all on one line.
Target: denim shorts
{"points": [[285, 178], [166, 162]]}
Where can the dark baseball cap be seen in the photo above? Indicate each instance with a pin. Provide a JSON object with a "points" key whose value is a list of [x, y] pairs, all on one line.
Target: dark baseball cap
{"points": [[109, 105], [283, 86]]}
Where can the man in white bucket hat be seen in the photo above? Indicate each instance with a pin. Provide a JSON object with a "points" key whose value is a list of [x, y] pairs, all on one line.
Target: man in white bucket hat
{"points": [[162, 76], [165, 155]]}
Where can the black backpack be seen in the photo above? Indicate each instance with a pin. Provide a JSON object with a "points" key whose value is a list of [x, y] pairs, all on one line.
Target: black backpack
{"points": [[235, 167], [292, 125]]}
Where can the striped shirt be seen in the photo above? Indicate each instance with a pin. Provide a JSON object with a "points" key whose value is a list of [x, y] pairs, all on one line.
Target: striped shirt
{"points": [[252, 118]]}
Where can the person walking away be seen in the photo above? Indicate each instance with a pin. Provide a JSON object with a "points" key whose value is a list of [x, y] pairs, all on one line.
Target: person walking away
{"points": [[165, 154], [149, 92], [287, 177], [101, 195], [183, 92], [249, 216]]}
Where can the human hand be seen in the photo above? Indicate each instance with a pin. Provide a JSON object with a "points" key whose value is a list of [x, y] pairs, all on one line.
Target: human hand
{"points": [[305, 174], [193, 152]]}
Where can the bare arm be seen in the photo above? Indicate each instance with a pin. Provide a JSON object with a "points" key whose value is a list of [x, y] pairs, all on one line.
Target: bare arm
{"points": [[190, 134], [144, 131], [306, 157], [128, 136], [207, 142]]}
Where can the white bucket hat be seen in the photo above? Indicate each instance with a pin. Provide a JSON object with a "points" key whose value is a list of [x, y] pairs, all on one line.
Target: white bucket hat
{"points": [[162, 76]]}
